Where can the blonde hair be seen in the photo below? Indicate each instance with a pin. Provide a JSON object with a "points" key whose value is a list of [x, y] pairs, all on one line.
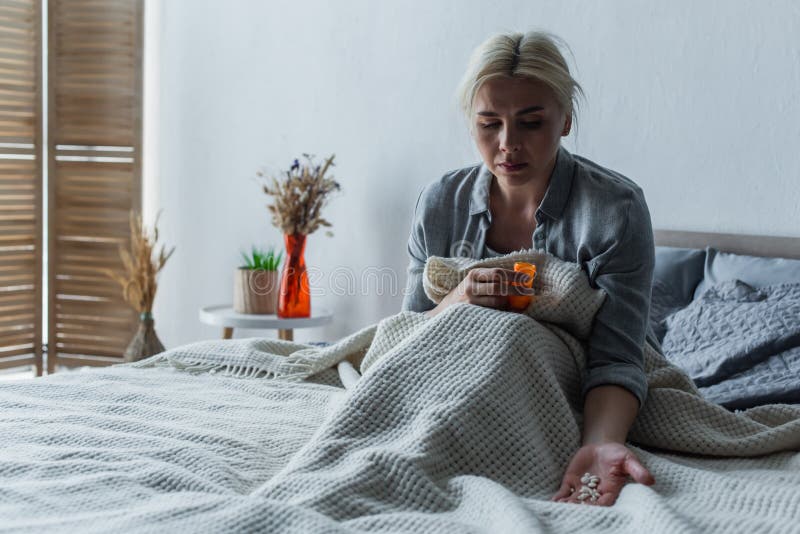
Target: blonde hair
{"points": [[533, 55]]}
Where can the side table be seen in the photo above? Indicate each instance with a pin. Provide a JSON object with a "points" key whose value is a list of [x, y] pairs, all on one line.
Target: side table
{"points": [[228, 319]]}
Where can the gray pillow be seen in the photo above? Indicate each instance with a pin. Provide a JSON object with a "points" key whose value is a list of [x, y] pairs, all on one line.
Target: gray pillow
{"points": [[678, 271], [756, 271]]}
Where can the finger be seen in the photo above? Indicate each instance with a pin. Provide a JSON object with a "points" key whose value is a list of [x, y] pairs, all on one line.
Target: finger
{"points": [[489, 301], [500, 288], [516, 277], [637, 471], [497, 274], [490, 287], [563, 492], [492, 275]]}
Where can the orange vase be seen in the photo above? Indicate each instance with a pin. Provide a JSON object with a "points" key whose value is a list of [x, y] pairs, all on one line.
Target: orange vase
{"points": [[294, 299]]}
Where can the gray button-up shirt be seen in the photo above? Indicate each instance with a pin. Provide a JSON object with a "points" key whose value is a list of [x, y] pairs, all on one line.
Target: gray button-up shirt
{"points": [[589, 215]]}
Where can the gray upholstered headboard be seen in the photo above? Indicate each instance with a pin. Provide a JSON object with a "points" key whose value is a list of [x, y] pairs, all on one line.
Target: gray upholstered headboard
{"points": [[752, 245]]}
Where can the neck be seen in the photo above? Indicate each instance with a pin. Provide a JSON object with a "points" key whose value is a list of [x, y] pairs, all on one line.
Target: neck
{"points": [[523, 196]]}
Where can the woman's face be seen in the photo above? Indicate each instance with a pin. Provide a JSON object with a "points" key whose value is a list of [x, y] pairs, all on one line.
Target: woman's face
{"points": [[517, 125]]}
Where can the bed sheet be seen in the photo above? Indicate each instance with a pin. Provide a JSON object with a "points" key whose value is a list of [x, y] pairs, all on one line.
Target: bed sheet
{"points": [[740, 344]]}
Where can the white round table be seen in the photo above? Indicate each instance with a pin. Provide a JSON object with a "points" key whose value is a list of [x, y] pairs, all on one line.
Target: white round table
{"points": [[228, 319]]}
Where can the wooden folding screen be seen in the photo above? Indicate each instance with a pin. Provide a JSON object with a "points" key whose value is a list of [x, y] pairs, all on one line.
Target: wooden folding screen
{"points": [[94, 161], [20, 184]]}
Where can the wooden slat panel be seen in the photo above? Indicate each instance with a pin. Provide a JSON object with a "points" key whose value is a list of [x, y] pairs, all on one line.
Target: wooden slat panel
{"points": [[106, 291], [19, 230], [97, 72], [26, 318], [95, 102], [16, 358], [20, 184], [20, 75], [92, 315], [77, 335], [93, 361], [17, 337], [115, 336], [77, 347]]}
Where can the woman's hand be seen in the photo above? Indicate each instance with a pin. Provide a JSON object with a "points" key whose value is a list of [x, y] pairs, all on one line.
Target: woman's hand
{"points": [[488, 287], [612, 462]]}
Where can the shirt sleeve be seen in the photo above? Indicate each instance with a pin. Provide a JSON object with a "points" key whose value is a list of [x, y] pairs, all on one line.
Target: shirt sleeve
{"points": [[625, 272], [415, 298]]}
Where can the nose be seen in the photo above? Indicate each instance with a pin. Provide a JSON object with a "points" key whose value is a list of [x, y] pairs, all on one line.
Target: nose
{"points": [[509, 140]]}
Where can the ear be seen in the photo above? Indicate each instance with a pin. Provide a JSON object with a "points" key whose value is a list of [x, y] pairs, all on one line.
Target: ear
{"points": [[567, 125]]}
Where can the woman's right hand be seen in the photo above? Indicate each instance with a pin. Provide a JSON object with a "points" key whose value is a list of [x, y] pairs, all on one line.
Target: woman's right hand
{"points": [[488, 287]]}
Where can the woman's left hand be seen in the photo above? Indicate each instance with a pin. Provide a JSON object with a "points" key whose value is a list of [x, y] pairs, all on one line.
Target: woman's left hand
{"points": [[612, 462]]}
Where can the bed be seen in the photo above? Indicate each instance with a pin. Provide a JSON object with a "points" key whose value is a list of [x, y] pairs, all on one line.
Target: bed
{"points": [[263, 436]]}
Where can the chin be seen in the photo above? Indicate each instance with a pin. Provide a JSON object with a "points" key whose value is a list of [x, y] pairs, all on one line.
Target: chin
{"points": [[521, 175]]}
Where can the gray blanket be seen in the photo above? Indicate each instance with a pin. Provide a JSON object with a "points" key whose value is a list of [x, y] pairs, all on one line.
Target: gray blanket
{"points": [[739, 344]]}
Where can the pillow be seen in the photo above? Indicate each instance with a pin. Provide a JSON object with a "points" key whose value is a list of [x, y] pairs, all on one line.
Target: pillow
{"points": [[678, 271], [756, 271], [663, 303]]}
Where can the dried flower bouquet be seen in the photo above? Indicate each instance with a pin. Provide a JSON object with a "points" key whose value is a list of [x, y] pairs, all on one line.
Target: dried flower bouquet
{"points": [[140, 266], [300, 196]]}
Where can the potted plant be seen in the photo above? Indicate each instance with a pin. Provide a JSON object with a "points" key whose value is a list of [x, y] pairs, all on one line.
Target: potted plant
{"points": [[255, 284]]}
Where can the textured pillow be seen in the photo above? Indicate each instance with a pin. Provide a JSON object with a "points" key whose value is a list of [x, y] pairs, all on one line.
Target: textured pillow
{"points": [[678, 271], [663, 303], [753, 270]]}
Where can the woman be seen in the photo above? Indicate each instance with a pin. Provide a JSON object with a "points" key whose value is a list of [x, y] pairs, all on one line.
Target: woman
{"points": [[529, 192]]}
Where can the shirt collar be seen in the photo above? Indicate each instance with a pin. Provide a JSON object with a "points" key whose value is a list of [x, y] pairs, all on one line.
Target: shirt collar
{"points": [[479, 201], [555, 198]]}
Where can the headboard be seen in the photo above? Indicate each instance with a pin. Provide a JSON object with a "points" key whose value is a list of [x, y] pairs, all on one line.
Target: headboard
{"points": [[752, 245]]}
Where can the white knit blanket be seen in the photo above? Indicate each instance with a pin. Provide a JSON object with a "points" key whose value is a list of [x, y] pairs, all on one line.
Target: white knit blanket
{"points": [[461, 423], [131, 450]]}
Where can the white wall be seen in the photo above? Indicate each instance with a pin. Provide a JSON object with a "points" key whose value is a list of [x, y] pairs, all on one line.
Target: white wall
{"points": [[695, 101]]}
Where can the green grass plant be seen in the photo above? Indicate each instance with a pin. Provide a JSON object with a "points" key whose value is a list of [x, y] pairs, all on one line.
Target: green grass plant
{"points": [[260, 259]]}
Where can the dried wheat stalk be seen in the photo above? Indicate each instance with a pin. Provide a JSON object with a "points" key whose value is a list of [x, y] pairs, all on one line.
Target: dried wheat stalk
{"points": [[141, 268], [300, 196]]}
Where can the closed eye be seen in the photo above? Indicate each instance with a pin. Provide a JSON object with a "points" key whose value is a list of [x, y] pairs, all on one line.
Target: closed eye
{"points": [[532, 125], [490, 124]]}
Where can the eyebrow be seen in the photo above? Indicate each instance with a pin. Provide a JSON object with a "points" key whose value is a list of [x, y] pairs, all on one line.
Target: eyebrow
{"points": [[520, 112]]}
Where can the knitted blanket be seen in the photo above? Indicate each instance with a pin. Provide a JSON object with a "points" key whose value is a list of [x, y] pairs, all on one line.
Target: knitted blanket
{"points": [[463, 422], [466, 421], [131, 450]]}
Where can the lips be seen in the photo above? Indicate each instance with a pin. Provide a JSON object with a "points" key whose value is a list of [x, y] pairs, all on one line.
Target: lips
{"points": [[512, 166]]}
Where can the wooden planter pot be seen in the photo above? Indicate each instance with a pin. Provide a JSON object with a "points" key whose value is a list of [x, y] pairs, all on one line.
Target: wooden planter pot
{"points": [[255, 291]]}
